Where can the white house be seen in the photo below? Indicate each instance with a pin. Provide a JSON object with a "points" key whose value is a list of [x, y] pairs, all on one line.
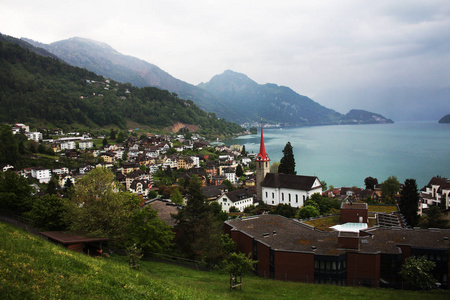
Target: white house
{"points": [[19, 126], [61, 171], [35, 136], [41, 174], [436, 192], [239, 198], [230, 174], [278, 188], [68, 145], [86, 144]]}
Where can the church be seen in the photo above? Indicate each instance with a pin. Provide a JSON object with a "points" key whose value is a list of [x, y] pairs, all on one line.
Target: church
{"points": [[278, 188]]}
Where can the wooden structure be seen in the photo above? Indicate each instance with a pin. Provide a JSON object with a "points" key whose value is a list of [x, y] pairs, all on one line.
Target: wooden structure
{"points": [[235, 281], [78, 243]]}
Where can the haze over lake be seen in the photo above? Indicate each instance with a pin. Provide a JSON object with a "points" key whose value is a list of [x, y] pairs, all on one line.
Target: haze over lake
{"points": [[346, 155]]}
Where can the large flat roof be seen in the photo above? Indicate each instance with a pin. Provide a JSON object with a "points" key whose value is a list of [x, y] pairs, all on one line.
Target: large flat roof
{"points": [[285, 234]]}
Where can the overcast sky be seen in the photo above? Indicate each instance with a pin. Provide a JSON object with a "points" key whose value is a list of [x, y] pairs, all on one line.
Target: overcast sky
{"points": [[328, 50]]}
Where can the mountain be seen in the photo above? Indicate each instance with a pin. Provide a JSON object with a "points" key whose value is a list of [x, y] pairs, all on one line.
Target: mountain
{"points": [[277, 104], [46, 92], [102, 59], [445, 119], [230, 95]]}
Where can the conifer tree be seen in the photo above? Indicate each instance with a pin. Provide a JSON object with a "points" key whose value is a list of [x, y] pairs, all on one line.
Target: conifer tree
{"points": [[287, 163], [409, 202]]}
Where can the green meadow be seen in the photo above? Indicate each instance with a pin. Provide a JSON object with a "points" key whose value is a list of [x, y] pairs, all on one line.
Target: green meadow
{"points": [[32, 268]]}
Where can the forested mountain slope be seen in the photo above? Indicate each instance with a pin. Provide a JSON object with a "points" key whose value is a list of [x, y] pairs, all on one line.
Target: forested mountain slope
{"points": [[41, 90]]}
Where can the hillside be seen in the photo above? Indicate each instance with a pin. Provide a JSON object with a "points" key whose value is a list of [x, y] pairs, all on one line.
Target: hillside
{"points": [[445, 119], [102, 59], [44, 91], [36, 269]]}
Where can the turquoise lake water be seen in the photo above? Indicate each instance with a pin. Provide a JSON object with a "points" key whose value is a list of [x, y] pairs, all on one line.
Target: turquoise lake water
{"points": [[345, 155]]}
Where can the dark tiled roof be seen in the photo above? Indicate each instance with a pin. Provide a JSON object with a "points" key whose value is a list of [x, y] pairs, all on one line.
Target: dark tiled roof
{"points": [[240, 194], [280, 180], [67, 238], [444, 183]]}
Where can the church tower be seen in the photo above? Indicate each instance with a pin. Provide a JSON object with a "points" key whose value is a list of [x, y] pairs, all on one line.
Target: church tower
{"points": [[262, 166]]}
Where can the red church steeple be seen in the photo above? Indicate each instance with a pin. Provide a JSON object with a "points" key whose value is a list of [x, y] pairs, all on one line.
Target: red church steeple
{"points": [[262, 155]]}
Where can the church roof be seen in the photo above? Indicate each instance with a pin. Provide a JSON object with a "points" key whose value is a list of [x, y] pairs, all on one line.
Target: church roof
{"points": [[296, 182]]}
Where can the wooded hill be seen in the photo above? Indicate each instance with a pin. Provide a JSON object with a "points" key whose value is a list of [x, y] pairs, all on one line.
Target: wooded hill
{"points": [[44, 91]]}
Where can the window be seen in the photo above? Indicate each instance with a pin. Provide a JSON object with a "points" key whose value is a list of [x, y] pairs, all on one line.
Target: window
{"points": [[303, 197], [282, 196], [273, 196], [266, 195], [296, 198], [289, 197]]}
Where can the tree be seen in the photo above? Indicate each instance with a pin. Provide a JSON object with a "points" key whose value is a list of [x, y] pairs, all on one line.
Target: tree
{"points": [[433, 218], [370, 183], [49, 213], [52, 187], [105, 142], [9, 147], [287, 162], [389, 188], [284, 210], [416, 273], [100, 208], [274, 167], [239, 171], [308, 211], [176, 197], [243, 152], [112, 134], [191, 216], [120, 137], [409, 202], [229, 185], [238, 264], [16, 194], [324, 185], [148, 232]]}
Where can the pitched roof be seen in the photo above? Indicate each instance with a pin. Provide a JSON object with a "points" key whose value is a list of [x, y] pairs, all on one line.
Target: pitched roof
{"points": [[240, 194], [296, 182]]}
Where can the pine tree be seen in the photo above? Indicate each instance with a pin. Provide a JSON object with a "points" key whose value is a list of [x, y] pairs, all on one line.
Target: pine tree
{"points": [[409, 202], [287, 163]]}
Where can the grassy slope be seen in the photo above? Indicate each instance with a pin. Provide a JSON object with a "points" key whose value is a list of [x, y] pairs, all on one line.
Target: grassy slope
{"points": [[32, 268]]}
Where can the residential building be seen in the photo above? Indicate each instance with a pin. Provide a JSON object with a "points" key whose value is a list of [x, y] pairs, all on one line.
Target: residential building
{"points": [[35, 136], [42, 174], [436, 192], [239, 199]]}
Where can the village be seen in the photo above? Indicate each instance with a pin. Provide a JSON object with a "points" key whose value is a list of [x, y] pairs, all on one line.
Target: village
{"points": [[158, 168]]}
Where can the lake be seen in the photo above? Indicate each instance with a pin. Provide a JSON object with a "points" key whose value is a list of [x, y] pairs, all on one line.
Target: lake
{"points": [[344, 155]]}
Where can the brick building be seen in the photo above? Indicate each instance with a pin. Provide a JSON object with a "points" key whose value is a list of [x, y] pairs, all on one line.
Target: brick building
{"points": [[287, 249]]}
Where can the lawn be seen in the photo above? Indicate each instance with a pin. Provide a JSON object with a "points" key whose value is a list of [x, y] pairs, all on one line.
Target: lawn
{"points": [[383, 208], [36, 269]]}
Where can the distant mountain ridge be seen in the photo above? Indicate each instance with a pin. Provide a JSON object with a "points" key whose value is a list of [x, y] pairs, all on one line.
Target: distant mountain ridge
{"points": [[230, 95], [445, 119]]}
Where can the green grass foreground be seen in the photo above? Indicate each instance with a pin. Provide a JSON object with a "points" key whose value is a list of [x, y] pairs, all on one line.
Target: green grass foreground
{"points": [[32, 268]]}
